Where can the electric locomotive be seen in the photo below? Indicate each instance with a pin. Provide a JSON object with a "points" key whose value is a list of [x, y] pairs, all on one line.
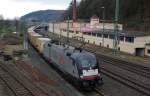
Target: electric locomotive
{"points": [[79, 64], [88, 68]]}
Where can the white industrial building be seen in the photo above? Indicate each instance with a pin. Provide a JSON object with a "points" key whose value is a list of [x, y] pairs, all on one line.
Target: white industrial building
{"points": [[136, 43]]}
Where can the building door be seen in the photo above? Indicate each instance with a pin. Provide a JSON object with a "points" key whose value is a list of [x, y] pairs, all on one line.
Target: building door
{"points": [[140, 52]]}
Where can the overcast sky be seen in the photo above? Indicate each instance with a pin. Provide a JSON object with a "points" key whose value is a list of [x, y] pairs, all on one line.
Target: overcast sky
{"points": [[16, 8]]}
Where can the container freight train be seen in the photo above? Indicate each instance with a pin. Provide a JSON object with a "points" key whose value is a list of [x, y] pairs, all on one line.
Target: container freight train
{"points": [[80, 65]]}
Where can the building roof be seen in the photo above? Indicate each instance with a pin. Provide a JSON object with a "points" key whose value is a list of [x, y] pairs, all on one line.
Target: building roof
{"points": [[84, 30], [126, 33], [135, 34], [111, 32]]}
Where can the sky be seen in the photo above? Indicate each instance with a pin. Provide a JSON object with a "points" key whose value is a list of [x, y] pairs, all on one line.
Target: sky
{"points": [[11, 9]]}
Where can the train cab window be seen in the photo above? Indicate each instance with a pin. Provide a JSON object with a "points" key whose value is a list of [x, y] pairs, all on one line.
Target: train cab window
{"points": [[87, 61], [68, 54]]}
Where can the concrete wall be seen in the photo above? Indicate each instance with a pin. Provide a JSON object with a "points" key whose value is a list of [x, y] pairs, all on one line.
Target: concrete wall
{"points": [[141, 41], [147, 48], [128, 47], [84, 25]]}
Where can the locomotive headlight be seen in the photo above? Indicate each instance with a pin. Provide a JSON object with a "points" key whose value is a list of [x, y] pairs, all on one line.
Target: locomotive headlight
{"points": [[84, 72], [98, 74]]}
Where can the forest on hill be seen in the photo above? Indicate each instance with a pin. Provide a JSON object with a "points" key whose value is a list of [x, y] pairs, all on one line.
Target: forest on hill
{"points": [[43, 16], [134, 14]]}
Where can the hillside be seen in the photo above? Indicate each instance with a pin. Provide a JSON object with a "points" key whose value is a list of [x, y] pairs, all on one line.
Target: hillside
{"points": [[134, 14], [43, 15]]}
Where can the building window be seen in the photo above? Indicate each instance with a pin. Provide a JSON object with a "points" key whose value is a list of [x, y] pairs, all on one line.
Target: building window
{"points": [[105, 36], [119, 48], [121, 38], [94, 42], [84, 33], [100, 44], [89, 34], [99, 35], [71, 31], [93, 34], [88, 41], [130, 39], [148, 51], [111, 36]]}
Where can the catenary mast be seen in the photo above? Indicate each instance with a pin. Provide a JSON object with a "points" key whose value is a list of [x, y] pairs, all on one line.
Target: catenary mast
{"points": [[74, 10]]}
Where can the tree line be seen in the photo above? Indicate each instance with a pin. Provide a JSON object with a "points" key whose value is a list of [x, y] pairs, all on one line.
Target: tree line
{"points": [[132, 12], [8, 26]]}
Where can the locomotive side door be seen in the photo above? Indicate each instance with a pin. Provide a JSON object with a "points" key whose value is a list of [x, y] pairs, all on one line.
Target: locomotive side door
{"points": [[46, 51], [75, 70]]}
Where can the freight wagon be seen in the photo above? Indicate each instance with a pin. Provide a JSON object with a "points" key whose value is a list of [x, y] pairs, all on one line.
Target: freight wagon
{"points": [[40, 43]]}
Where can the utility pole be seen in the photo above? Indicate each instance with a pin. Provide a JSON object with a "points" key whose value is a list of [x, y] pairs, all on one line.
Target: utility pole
{"points": [[74, 10], [23, 28], [81, 32], [103, 25], [53, 27], [68, 31], [74, 14], [116, 37], [3, 23]]}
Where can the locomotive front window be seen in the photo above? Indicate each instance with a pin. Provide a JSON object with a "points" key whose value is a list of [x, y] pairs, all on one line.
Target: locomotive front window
{"points": [[86, 61]]}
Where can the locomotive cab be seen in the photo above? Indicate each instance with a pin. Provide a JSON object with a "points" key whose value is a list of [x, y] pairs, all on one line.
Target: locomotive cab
{"points": [[88, 69]]}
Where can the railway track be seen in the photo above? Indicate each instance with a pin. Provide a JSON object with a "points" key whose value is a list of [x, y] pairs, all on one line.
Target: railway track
{"points": [[16, 86], [138, 69], [99, 92], [142, 88], [130, 82]]}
